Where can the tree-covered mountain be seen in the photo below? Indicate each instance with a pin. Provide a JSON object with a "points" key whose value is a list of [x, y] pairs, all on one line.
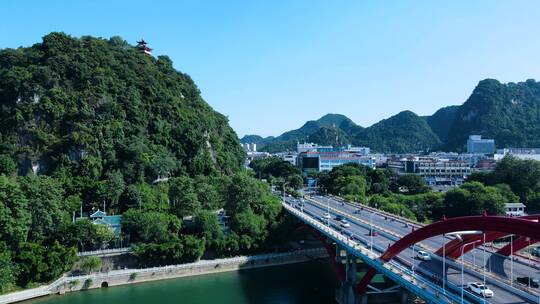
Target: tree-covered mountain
{"points": [[441, 121], [403, 132], [90, 122], [509, 113], [287, 141]]}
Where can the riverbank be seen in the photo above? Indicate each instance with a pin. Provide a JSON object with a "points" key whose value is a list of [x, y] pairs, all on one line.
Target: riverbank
{"points": [[132, 276]]}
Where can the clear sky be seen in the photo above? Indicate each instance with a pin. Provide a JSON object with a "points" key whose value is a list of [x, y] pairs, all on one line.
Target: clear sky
{"points": [[272, 65]]}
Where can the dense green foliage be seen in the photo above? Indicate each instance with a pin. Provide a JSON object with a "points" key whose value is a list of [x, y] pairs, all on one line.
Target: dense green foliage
{"points": [[278, 172], [87, 122], [441, 121], [522, 176], [404, 132], [381, 189], [509, 113]]}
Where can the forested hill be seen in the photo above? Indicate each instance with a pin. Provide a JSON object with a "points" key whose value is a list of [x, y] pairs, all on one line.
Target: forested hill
{"points": [[91, 107], [90, 122], [510, 113]]}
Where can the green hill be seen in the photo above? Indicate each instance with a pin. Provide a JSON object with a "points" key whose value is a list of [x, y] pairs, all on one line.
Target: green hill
{"points": [[404, 132], [509, 113], [89, 107], [441, 121], [88, 123]]}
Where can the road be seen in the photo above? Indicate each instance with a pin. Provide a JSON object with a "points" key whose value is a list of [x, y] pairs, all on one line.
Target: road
{"points": [[394, 229]]}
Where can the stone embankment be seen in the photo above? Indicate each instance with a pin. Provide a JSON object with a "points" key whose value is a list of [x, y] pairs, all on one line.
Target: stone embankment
{"points": [[130, 276]]}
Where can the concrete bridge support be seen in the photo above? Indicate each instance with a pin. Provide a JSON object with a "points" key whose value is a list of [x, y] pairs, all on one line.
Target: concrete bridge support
{"points": [[387, 293], [346, 294]]}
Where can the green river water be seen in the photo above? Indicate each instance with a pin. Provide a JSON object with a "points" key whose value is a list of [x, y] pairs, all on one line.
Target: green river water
{"points": [[310, 282]]}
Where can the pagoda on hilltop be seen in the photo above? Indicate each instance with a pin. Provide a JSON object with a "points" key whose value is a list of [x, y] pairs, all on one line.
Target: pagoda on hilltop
{"points": [[143, 48]]}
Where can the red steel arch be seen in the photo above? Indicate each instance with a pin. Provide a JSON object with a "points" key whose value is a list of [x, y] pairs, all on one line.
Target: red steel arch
{"points": [[508, 225], [453, 248], [518, 244]]}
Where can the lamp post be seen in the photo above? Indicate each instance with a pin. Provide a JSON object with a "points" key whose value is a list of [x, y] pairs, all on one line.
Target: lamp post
{"points": [[512, 260], [484, 257], [444, 264], [462, 251], [413, 261], [371, 229]]}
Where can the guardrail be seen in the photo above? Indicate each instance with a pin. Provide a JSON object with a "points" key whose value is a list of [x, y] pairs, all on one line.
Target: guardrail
{"points": [[389, 269], [105, 252], [491, 278]]}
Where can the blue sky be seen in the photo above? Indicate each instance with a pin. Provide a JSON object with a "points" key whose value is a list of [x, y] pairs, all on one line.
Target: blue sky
{"points": [[272, 65]]}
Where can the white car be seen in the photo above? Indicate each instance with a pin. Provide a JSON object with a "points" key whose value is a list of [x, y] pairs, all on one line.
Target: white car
{"points": [[327, 215], [424, 256], [344, 224], [480, 289]]}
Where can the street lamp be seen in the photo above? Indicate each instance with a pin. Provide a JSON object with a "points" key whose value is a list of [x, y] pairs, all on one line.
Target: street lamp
{"points": [[444, 264], [413, 261], [371, 229], [512, 260], [462, 251]]}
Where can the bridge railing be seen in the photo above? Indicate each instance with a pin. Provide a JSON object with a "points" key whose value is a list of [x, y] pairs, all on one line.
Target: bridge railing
{"points": [[105, 251], [393, 269]]}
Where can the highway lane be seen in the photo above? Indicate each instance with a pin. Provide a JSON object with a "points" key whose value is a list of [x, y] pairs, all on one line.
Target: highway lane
{"points": [[496, 264], [434, 266]]}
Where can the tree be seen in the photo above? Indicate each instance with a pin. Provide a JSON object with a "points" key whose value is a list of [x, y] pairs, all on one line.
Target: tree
{"points": [[45, 203], [183, 196], [472, 198], [415, 184], [85, 235], [7, 269], [7, 165], [114, 187], [38, 263], [14, 218], [150, 226], [90, 264], [206, 225], [295, 181]]}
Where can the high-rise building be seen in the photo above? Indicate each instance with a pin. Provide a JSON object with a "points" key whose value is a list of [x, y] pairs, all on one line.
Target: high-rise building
{"points": [[477, 144]]}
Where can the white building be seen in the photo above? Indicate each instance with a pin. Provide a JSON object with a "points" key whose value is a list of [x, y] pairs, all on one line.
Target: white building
{"points": [[514, 209], [521, 153]]}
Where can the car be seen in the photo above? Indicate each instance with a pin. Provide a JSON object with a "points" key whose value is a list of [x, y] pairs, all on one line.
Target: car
{"points": [[344, 224], [327, 215], [536, 251], [338, 218], [480, 289], [357, 211], [422, 255], [528, 281]]}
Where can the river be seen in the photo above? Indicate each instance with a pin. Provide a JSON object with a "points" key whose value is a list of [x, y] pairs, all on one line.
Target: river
{"points": [[310, 282]]}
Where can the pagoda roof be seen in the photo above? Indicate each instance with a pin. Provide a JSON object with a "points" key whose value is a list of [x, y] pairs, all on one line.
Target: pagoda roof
{"points": [[98, 213]]}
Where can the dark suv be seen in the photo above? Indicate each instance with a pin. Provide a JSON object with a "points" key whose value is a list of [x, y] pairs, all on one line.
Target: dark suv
{"points": [[527, 281]]}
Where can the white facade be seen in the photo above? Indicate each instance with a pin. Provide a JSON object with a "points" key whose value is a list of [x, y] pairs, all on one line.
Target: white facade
{"points": [[521, 153], [514, 209]]}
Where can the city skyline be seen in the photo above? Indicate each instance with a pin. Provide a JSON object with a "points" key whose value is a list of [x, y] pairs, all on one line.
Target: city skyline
{"points": [[255, 61]]}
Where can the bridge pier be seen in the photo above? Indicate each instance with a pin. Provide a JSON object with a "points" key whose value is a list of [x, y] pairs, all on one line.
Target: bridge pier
{"points": [[383, 293], [346, 294]]}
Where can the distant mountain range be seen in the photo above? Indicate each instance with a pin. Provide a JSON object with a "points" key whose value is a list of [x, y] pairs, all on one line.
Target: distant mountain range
{"points": [[509, 113]]}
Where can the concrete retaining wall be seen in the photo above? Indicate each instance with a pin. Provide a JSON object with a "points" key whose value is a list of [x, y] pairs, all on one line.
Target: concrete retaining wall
{"points": [[131, 276]]}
